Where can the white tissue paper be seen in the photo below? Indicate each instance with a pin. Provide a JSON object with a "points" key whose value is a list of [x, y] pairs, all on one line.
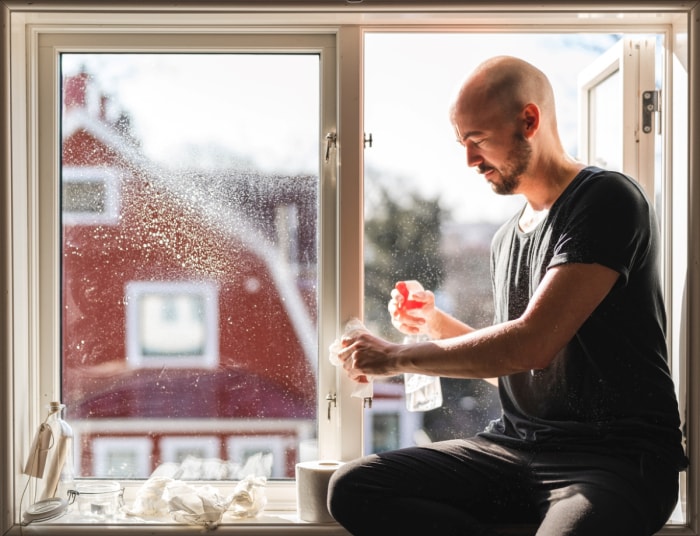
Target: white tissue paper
{"points": [[361, 390], [200, 505], [162, 497], [248, 498], [149, 501]]}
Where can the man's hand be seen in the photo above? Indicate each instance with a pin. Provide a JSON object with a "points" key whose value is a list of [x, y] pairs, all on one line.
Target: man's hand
{"points": [[411, 308], [364, 354]]}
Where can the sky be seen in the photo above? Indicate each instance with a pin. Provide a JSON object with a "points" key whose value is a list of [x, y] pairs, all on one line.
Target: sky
{"points": [[262, 111]]}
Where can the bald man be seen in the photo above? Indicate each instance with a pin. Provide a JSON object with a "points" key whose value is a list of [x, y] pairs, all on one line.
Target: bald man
{"points": [[589, 439]]}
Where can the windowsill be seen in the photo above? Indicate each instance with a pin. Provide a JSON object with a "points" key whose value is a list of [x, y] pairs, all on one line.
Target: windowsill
{"points": [[280, 519], [267, 523], [270, 523]]}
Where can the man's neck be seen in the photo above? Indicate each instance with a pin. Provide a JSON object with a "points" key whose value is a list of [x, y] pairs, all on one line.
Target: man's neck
{"points": [[545, 187], [531, 218]]}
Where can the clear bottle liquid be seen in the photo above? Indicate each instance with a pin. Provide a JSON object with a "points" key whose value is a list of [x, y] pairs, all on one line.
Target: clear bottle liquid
{"points": [[423, 392], [58, 477]]}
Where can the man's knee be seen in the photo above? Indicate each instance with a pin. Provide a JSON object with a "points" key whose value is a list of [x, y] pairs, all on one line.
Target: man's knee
{"points": [[582, 510], [342, 490]]}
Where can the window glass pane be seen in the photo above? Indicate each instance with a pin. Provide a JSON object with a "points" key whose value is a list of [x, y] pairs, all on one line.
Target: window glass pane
{"points": [[606, 123], [190, 188], [427, 215]]}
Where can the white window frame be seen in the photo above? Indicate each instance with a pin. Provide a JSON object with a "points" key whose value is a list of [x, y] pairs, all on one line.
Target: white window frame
{"points": [[30, 204], [631, 58]]}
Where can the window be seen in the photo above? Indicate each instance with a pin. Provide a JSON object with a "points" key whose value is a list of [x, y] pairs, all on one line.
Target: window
{"points": [[120, 457], [90, 196], [172, 324], [177, 449], [272, 452], [70, 322], [206, 283], [626, 68], [425, 186]]}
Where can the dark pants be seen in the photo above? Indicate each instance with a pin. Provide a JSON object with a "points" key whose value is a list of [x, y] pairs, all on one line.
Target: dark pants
{"points": [[461, 487]]}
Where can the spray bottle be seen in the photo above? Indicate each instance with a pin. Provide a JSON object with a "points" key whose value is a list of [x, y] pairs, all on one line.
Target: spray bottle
{"points": [[423, 392]]}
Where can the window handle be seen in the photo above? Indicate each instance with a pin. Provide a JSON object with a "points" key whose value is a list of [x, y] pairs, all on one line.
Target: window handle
{"points": [[331, 141], [332, 399]]}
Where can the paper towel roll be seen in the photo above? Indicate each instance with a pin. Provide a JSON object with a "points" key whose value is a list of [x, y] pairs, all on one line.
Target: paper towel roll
{"points": [[312, 490]]}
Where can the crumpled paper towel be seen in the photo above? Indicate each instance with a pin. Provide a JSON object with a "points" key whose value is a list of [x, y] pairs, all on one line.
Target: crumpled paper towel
{"points": [[248, 498], [361, 390], [200, 505], [149, 501]]}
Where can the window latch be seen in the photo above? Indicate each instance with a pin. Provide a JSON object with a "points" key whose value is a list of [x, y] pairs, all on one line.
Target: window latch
{"points": [[650, 104], [332, 399], [331, 142]]}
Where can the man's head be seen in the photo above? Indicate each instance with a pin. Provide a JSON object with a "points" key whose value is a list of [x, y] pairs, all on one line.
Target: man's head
{"points": [[504, 116]]}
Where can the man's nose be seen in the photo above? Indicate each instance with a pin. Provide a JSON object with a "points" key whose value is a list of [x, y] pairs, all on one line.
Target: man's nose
{"points": [[473, 156]]}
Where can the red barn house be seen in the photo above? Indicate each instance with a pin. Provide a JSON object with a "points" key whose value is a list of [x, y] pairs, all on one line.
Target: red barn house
{"points": [[189, 304]]}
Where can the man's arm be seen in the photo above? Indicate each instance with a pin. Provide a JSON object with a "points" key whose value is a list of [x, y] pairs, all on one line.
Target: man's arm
{"points": [[565, 298]]}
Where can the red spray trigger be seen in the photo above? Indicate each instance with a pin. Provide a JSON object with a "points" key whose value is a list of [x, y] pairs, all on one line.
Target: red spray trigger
{"points": [[405, 291]]}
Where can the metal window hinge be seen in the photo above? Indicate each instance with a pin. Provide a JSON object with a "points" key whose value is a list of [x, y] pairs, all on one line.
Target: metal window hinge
{"points": [[331, 142], [650, 104], [367, 402], [332, 399], [367, 140]]}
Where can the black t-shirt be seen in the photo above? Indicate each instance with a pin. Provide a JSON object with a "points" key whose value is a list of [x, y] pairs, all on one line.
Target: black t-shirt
{"points": [[610, 386]]}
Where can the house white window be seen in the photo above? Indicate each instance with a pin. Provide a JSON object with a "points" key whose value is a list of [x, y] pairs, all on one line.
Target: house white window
{"points": [[90, 195], [52, 289], [176, 449], [268, 452], [121, 457], [172, 323]]}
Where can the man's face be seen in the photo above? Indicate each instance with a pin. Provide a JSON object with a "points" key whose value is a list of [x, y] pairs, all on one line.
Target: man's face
{"points": [[498, 150]]}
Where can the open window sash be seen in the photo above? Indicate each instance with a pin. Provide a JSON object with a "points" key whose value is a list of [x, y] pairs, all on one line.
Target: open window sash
{"points": [[618, 98]]}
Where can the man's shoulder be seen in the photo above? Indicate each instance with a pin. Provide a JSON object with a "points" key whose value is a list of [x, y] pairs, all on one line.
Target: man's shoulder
{"points": [[605, 179], [601, 187]]}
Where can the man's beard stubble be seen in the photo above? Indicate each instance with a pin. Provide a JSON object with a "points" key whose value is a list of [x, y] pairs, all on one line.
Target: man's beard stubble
{"points": [[515, 165]]}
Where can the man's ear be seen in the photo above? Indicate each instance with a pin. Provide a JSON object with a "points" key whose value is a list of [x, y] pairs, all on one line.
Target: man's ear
{"points": [[531, 120]]}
